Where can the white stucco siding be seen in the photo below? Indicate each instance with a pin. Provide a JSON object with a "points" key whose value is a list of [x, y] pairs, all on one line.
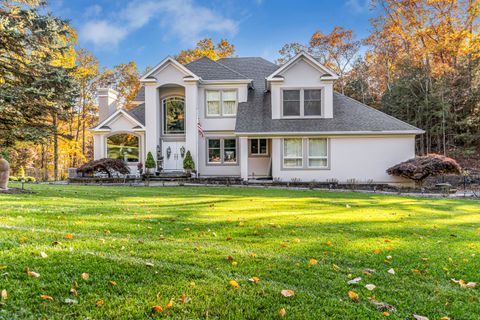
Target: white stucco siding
{"points": [[259, 166], [302, 75], [364, 158], [217, 170]]}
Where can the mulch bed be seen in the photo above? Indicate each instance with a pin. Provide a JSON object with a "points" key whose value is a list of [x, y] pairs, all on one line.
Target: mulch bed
{"points": [[16, 191]]}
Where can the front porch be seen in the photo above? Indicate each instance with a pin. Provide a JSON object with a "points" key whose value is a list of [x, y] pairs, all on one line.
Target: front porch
{"points": [[255, 158]]}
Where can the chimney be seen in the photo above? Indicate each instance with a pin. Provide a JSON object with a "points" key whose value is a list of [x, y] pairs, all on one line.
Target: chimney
{"points": [[107, 103]]}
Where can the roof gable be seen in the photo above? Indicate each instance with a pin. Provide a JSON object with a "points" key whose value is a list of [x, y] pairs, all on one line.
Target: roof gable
{"points": [[105, 124], [169, 60]]}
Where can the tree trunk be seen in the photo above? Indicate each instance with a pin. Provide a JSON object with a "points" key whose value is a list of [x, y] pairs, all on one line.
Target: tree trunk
{"points": [[55, 147]]}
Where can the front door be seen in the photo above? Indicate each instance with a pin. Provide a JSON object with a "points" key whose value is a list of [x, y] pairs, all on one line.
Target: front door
{"points": [[173, 155]]}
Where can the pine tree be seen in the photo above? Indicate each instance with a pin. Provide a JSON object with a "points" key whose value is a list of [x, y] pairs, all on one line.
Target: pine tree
{"points": [[188, 163]]}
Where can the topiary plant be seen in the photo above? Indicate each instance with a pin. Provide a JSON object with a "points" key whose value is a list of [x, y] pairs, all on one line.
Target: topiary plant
{"points": [[188, 163], [150, 162]]}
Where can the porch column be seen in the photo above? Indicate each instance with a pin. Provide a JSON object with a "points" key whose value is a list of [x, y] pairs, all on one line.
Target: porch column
{"points": [[152, 119], [243, 141], [191, 119]]}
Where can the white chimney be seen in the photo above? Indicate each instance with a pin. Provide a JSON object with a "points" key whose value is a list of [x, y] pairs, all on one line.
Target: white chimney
{"points": [[107, 103]]}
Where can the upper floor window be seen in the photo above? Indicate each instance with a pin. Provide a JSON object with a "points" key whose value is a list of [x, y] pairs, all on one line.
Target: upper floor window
{"points": [[221, 103], [123, 146], [174, 115], [302, 102]]}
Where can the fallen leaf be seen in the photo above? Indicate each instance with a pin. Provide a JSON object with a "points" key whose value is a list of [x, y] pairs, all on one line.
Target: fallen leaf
{"points": [[335, 267], [149, 264], [370, 286], [69, 236], [157, 309], [184, 299], [389, 257], [99, 303], [169, 304], [391, 271], [4, 294], [230, 258], [253, 255], [382, 306], [43, 255], [444, 318], [45, 297], [84, 276], [387, 241], [417, 317], [234, 284], [386, 313], [113, 283], [415, 271], [70, 301], [73, 291], [234, 263], [282, 312], [312, 262], [355, 281], [348, 206], [329, 243], [471, 285], [353, 296], [254, 279], [287, 293], [377, 251], [33, 274]]}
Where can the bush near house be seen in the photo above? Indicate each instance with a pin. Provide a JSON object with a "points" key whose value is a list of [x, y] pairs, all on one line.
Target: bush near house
{"points": [[420, 168], [150, 163], [188, 163], [105, 165]]}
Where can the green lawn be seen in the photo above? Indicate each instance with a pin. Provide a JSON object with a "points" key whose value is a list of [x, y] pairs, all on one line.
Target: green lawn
{"points": [[189, 233]]}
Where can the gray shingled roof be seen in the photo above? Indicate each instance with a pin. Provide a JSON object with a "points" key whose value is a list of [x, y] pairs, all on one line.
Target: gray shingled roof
{"points": [[208, 69], [140, 97], [138, 113]]}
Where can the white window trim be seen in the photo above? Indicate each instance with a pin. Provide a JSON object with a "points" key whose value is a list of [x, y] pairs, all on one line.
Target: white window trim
{"points": [[317, 157], [258, 154], [302, 102], [222, 112], [292, 158], [222, 151]]}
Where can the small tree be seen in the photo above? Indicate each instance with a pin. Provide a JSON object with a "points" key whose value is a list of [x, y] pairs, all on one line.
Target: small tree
{"points": [[420, 168], [21, 172], [150, 163], [105, 165], [188, 163]]}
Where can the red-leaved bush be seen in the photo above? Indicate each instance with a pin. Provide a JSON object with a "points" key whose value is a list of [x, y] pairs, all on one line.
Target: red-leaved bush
{"points": [[105, 165]]}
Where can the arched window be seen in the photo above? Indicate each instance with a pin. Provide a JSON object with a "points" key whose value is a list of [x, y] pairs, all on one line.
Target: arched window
{"points": [[123, 146], [174, 115]]}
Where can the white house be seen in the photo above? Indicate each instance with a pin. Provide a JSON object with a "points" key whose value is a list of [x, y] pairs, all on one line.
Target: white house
{"points": [[250, 118]]}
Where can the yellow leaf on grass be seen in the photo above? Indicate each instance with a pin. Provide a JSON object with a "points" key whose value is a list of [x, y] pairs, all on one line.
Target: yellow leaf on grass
{"points": [[4, 294], [184, 299], [234, 284], [253, 255], [282, 312], [377, 251], [287, 293], [312, 262], [84, 276], [335, 267], [329, 243], [353, 295], [99, 303], [386, 314], [45, 297], [69, 236], [169, 305], [254, 279], [157, 309], [113, 283]]}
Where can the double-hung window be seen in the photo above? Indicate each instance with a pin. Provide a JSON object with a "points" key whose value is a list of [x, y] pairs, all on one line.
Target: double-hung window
{"points": [[221, 103], [221, 151], [305, 153], [259, 147], [302, 102]]}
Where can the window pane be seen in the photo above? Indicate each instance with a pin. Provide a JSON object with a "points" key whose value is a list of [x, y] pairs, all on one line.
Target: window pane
{"points": [[254, 146], [214, 143], [229, 107], [214, 155], [292, 163], [291, 108], [213, 108], [292, 148], [312, 94], [291, 95], [230, 95], [317, 147], [317, 162], [263, 146], [230, 150], [313, 108], [174, 114], [123, 146], [213, 95]]}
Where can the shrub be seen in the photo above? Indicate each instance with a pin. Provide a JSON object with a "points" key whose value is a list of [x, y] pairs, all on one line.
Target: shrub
{"points": [[150, 163], [21, 172], [420, 168], [188, 163], [30, 179], [12, 178], [105, 165]]}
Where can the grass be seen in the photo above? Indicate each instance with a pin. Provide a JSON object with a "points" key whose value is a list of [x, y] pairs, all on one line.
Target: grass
{"points": [[188, 233]]}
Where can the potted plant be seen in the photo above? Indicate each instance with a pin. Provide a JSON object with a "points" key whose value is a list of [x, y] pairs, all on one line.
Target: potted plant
{"points": [[188, 163], [150, 164]]}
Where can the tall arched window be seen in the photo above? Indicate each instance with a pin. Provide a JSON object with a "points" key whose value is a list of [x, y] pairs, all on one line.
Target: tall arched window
{"points": [[123, 146], [174, 115]]}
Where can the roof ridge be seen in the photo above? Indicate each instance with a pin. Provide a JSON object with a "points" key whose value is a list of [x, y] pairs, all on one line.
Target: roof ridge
{"points": [[376, 110]]}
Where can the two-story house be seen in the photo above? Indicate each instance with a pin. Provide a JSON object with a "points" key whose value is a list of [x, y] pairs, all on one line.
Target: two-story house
{"points": [[250, 118]]}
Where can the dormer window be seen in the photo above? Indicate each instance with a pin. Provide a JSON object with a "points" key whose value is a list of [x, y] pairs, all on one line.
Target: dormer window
{"points": [[221, 103], [301, 103]]}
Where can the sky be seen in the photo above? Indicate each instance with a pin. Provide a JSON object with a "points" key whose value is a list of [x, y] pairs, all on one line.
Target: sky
{"points": [[146, 31]]}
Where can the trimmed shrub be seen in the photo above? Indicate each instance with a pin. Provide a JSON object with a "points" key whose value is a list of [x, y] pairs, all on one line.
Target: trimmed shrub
{"points": [[188, 163], [150, 163], [105, 165], [420, 168], [12, 178]]}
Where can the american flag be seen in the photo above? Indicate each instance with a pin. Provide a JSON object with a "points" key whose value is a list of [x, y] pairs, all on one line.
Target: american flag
{"points": [[200, 129]]}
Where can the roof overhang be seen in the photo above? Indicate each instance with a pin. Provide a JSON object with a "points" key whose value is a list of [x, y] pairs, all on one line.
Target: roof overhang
{"points": [[148, 77], [333, 133], [232, 81]]}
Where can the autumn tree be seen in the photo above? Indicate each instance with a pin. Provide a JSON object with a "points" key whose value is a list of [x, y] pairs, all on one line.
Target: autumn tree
{"points": [[206, 48], [124, 78]]}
